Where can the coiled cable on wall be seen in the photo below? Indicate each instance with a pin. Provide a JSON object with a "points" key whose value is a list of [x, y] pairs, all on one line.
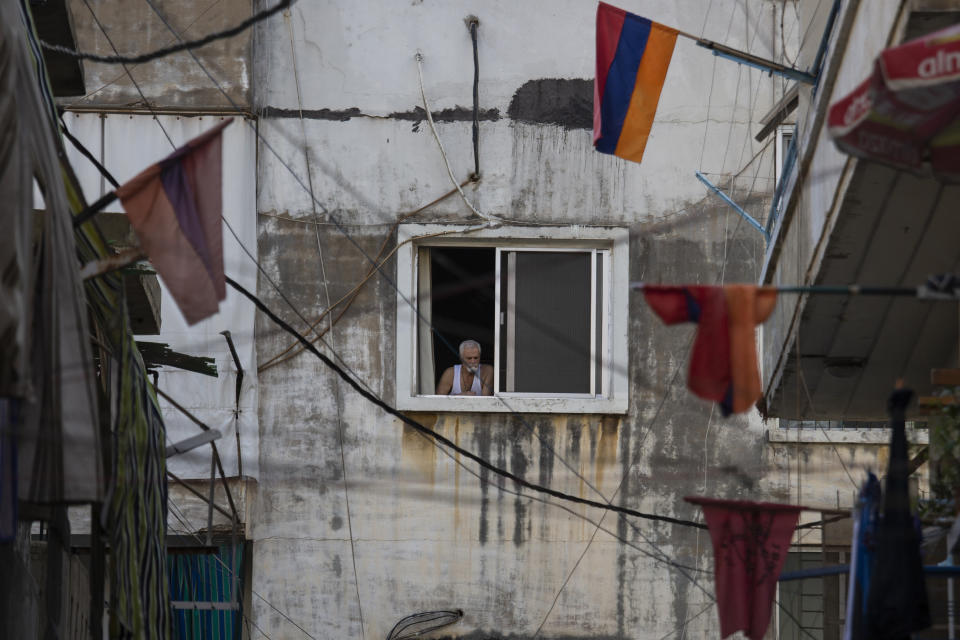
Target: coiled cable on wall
{"points": [[419, 623]]}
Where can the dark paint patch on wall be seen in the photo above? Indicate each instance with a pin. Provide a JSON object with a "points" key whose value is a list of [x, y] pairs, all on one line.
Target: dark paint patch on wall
{"points": [[417, 114], [341, 115], [456, 114], [559, 101]]}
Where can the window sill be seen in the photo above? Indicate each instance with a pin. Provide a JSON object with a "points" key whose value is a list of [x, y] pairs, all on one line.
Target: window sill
{"points": [[495, 404], [844, 436]]}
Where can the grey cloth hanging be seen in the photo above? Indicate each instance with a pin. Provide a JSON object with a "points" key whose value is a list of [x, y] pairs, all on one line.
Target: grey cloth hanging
{"points": [[58, 439]]}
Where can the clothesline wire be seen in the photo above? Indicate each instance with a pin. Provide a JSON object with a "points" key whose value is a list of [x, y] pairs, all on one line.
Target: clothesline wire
{"points": [[165, 51], [922, 292]]}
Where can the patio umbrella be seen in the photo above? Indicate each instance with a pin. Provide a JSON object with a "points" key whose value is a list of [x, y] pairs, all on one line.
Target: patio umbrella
{"points": [[907, 113]]}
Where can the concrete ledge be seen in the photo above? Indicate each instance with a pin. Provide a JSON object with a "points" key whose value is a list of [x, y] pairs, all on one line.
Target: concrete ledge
{"points": [[844, 436]]}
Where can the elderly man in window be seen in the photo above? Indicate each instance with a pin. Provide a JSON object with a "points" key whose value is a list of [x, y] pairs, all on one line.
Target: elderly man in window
{"points": [[470, 378]]}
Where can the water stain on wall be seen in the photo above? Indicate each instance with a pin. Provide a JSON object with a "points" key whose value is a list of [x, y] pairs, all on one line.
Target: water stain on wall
{"points": [[606, 455], [418, 453], [481, 439]]}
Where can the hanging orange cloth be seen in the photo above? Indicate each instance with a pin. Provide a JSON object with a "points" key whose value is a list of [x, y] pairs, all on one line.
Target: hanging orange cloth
{"points": [[723, 364]]}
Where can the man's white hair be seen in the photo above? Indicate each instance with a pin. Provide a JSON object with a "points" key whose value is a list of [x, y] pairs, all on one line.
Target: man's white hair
{"points": [[469, 343]]}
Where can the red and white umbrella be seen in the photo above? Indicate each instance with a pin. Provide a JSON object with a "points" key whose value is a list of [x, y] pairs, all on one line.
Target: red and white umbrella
{"points": [[907, 113]]}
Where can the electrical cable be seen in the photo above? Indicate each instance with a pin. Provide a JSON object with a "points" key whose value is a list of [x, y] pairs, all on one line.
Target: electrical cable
{"points": [[436, 136], [271, 150], [359, 248], [483, 463], [352, 295], [86, 154], [165, 51], [474, 25], [129, 75], [77, 101], [440, 438]]}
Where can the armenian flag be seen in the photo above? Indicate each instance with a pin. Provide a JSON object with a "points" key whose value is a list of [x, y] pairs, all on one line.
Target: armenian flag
{"points": [[174, 206], [633, 54]]}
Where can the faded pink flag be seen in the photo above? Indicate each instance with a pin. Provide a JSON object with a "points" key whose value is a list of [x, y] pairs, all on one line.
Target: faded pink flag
{"points": [[174, 207]]}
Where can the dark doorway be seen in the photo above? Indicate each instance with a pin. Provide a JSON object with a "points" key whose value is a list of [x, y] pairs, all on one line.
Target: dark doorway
{"points": [[462, 286]]}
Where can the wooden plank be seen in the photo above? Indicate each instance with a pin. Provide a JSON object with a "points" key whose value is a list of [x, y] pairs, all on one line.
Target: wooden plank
{"points": [[193, 442], [946, 377]]}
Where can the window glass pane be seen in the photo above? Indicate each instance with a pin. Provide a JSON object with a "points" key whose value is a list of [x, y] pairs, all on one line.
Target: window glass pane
{"points": [[551, 319]]}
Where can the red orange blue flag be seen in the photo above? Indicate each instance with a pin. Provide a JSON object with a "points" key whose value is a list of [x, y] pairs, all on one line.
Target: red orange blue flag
{"points": [[633, 55]]}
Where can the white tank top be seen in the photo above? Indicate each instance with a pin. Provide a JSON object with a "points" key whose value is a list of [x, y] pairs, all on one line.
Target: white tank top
{"points": [[475, 387]]}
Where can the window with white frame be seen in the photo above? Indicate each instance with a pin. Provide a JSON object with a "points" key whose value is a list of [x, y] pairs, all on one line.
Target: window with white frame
{"points": [[781, 150], [548, 307]]}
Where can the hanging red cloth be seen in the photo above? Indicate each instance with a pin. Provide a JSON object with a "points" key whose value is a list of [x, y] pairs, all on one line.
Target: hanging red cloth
{"points": [[750, 544], [723, 364]]}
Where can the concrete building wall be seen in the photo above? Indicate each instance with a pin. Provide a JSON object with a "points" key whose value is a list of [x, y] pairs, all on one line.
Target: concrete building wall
{"points": [[356, 521], [426, 533], [173, 81]]}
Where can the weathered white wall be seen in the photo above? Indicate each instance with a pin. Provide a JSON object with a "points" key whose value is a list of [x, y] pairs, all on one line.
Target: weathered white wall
{"points": [[426, 533], [360, 55]]}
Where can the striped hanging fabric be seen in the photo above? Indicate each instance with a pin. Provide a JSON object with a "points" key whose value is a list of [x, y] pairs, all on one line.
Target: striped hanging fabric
{"points": [[135, 510], [208, 579]]}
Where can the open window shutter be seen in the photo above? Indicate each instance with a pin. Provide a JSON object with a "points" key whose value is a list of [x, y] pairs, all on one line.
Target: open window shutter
{"points": [[426, 377]]}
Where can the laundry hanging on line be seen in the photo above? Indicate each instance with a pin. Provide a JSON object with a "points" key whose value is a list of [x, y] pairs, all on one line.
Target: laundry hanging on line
{"points": [[723, 363], [861, 559], [750, 545], [897, 602], [174, 206]]}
